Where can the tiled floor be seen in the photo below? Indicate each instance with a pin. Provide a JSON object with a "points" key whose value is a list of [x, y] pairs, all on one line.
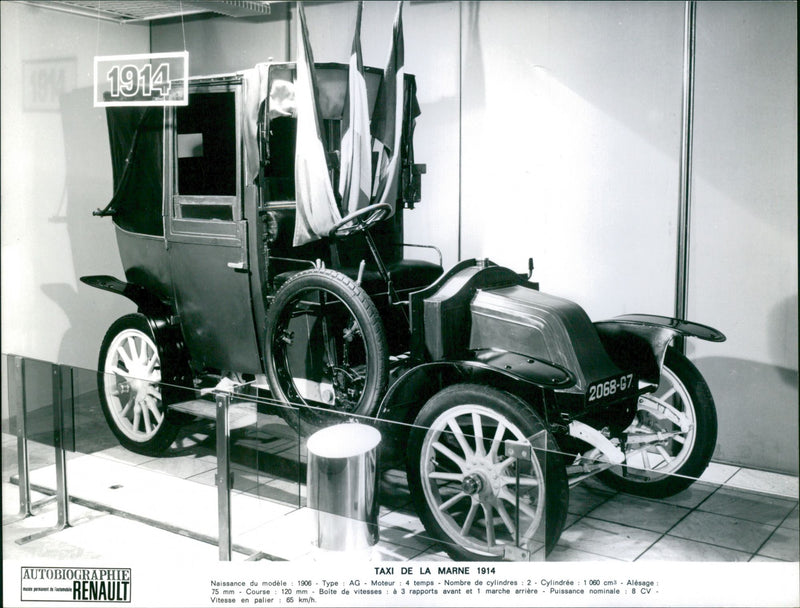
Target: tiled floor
{"points": [[729, 515], [707, 522]]}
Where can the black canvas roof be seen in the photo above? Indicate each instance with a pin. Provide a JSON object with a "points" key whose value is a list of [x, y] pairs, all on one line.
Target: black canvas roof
{"points": [[136, 138]]}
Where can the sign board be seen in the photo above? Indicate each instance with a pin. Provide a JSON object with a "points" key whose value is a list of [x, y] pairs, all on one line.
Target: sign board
{"points": [[147, 79]]}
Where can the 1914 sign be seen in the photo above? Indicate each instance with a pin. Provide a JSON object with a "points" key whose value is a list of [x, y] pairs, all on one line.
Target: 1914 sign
{"points": [[149, 79]]}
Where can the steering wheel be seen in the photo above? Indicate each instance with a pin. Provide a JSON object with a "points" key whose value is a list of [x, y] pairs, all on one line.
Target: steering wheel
{"points": [[376, 213]]}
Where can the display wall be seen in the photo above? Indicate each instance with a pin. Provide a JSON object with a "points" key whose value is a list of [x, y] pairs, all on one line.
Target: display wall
{"points": [[56, 169], [550, 130], [571, 136], [431, 49], [561, 141], [743, 250]]}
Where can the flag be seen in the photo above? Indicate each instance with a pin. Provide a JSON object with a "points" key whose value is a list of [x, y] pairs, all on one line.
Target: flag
{"points": [[355, 177], [317, 210], [387, 119]]}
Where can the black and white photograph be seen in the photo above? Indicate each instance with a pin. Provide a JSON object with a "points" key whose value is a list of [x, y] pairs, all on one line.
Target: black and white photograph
{"points": [[399, 303]]}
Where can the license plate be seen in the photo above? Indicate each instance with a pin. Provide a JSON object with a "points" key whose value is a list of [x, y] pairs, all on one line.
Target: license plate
{"points": [[612, 388]]}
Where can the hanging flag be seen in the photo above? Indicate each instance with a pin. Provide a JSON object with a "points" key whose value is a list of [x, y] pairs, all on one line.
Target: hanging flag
{"points": [[355, 181], [316, 210], [387, 119]]}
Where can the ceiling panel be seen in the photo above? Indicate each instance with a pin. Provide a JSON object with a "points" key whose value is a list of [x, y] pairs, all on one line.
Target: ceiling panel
{"points": [[150, 10]]}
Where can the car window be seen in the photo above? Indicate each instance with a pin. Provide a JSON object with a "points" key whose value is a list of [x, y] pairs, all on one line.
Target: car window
{"points": [[206, 161]]}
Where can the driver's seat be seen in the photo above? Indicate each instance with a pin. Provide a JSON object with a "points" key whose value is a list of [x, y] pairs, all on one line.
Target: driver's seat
{"points": [[407, 276], [346, 255]]}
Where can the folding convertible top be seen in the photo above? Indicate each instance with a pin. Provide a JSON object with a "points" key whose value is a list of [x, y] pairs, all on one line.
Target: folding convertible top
{"points": [[136, 133]]}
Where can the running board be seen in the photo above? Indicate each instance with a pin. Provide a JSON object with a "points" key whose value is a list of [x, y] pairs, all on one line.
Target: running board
{"points": [[241, 414]]}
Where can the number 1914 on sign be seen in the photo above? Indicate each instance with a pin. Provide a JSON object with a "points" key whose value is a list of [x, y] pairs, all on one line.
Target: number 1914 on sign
{"points": [[141, 80], [130, 80]]}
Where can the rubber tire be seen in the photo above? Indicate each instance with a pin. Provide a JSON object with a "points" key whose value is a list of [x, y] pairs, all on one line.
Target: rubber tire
{"points": [[363, 309], [704, 443], [527, 420], [168, 430]]}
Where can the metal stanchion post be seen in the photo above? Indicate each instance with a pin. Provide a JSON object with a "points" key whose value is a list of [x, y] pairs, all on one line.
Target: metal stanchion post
{"points": [[16, 399], [18, 404], [521, 451], [223, 477], [62, 496]]}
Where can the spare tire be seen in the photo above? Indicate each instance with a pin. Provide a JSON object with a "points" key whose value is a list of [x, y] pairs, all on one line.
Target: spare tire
{"points": [[326, 350]]}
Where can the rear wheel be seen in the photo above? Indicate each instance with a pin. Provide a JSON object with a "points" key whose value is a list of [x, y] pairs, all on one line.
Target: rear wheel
{"points": [[128, 382], [464, 484], [326, 349], [682, 411]]}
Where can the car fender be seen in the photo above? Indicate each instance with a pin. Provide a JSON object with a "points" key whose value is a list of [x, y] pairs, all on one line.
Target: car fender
{"points": [[148, 304], [175, 367], [516, 373], [640, 342]]}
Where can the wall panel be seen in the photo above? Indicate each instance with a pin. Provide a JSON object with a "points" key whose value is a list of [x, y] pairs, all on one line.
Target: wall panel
{"points": [[56, 169], [218, 45], [743, 272], [571, 137]]}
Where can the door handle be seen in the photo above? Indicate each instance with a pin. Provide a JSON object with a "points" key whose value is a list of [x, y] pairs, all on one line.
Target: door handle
{"points": [[238, 265]]}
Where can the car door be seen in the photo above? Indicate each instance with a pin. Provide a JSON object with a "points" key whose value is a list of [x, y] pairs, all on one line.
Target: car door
{"points": [[206, 231]]}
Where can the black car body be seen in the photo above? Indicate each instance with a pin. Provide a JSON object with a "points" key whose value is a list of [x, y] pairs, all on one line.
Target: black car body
{"points": [[475, 360]]}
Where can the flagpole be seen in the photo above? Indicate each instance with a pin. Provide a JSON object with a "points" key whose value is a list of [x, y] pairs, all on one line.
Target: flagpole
{"points": [[460, 141], [289, 32], [685, 177]]}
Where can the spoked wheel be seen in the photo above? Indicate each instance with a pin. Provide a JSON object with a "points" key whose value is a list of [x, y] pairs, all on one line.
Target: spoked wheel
{"points": [[671, 440], [128, 382], [464, 484], [326, 349]]}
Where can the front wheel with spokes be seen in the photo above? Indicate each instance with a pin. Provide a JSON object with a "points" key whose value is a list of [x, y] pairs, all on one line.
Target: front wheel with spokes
{"points": [[128, 379], [670, 442], [471, 490]]}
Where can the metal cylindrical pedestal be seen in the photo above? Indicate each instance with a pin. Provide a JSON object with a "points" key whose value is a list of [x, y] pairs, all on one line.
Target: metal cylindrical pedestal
{"points": [[342, 486]]}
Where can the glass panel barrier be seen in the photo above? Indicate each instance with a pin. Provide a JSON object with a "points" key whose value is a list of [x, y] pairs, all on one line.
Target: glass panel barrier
{"points": [[105, 477], [14, 505], [265, 469], [235, 470], [268, 468], [155, 453], [491, 492], [28, 438], [327, 513]]}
